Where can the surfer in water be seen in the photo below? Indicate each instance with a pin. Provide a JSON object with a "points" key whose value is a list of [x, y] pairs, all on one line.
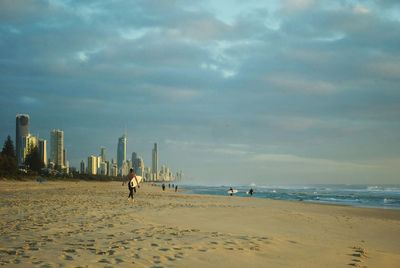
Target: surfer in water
{"points": [[131, 179]]}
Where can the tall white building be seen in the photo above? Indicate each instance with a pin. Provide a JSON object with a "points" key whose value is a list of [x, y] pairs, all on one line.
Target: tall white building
{"points": [[103, 168], [92, 165], [125, 168], [113, 170], [139, 166], [154, 163], [121, 151], [65, 157], [21, 131], [57, 148]]}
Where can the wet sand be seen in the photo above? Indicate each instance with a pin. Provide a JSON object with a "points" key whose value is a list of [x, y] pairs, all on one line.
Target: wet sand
{"points": [[92, 224]]}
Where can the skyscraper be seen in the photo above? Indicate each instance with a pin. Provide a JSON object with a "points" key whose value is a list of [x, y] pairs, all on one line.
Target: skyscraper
{"points": [[57, 148], [83, 168], [139, 166], [21, 130], [65, 157], [43, 151], [154, 164], [92, 165], [121, 151], [102, 169], [103, 154], [134, 162], [29, 142]]}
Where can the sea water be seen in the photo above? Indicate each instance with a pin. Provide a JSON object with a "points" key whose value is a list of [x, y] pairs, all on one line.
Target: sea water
{"points": [[379, 196]]}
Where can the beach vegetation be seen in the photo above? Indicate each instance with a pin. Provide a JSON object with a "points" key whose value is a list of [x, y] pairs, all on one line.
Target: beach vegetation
{"points": [[8, 160]]}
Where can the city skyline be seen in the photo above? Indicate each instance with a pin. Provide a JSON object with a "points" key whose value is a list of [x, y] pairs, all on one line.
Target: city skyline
{"points": [[276, 92], [95, 164]]}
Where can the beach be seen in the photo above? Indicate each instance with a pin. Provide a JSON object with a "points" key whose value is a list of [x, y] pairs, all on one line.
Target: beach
{"points": [[92, 224]]}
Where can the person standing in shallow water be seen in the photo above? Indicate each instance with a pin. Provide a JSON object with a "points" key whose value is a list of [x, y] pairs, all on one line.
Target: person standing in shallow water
{"points": [[131, 179], [251, 191]]}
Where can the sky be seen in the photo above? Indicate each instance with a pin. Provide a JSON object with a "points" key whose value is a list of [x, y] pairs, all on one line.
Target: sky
{"points": [[233, 92]]}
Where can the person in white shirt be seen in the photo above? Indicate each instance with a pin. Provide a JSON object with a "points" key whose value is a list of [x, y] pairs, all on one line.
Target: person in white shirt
{"points": [[131, 181]]}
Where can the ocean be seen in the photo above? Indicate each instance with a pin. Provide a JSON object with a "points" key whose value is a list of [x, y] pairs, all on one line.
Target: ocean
{"points": [[376, 196]]}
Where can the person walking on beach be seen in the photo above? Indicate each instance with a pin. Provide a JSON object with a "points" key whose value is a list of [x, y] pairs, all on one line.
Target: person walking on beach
{"points": [[176, 188], [251, 191], [131, 181], [163, 187]]}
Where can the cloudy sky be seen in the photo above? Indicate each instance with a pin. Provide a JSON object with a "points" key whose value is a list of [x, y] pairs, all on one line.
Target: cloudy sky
{"points": [[270, 92]]}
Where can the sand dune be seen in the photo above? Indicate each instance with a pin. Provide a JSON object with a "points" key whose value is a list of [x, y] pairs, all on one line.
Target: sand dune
{"points": [[92, 224]]}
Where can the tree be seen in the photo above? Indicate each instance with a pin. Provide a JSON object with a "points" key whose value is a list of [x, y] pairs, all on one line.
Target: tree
{"points": [[8, 148], [33, 160], [8, 161]]}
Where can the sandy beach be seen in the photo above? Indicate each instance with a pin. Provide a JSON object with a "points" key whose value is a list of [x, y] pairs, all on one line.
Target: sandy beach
{"points": [[92, 224]]}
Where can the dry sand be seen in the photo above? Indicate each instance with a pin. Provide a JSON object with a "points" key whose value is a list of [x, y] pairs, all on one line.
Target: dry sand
{"points": [[80, 224]]}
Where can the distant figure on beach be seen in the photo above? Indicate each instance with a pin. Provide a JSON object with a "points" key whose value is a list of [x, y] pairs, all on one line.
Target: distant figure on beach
{"points": [[169, 185], [131, 181], [251, 191], [163, 187], [176, 188], [231, 191]]}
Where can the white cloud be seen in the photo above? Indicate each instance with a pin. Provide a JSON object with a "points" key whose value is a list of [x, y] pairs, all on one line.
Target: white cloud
{"points": [[297, 5], [82, 56], [361, 10], [312, 163], [299, 84], [138, 33], [167, 93]]}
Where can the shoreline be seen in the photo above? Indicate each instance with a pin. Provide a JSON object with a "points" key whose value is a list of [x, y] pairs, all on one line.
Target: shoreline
{"points": [[360, 203]]}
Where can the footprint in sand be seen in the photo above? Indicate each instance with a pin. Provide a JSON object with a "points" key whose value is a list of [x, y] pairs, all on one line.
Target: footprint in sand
{"points": [[67, 257], [104, 261], [179, 255], [119, 260], [156, 259], [70, 250], [357, 255]]}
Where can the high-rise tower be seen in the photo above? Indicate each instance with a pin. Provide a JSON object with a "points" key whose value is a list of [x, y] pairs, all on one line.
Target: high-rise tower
{"points": [[57, 148], [43, 151], [21, 131], [154, 164], [92, 165], [121, 151], [103, 154]]}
